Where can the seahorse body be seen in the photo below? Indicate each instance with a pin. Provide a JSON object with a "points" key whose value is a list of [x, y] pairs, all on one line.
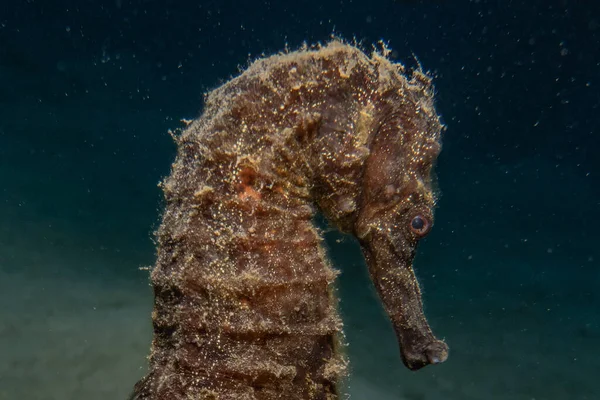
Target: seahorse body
{"points": [[244, 303]]}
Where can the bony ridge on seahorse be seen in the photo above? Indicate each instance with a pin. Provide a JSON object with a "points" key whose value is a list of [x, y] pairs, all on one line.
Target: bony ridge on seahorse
{"points": [[244, 307]]}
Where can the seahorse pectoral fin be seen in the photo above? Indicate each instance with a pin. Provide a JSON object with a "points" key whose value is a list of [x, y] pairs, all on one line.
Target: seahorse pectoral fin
{"points": [[398, 289]]}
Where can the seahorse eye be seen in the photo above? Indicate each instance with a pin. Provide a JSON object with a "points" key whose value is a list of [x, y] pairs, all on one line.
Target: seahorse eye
{"points": [[420, 225]]}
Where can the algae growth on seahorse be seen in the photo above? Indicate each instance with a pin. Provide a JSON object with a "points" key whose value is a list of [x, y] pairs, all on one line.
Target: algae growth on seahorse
{"points": [[244, 301]]}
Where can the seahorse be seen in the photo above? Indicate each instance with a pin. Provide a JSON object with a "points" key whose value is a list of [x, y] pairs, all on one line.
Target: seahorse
{"points": [[245, 305]]}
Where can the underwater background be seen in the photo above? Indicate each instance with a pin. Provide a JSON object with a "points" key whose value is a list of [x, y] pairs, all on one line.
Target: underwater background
{"points": [[510, 273]]}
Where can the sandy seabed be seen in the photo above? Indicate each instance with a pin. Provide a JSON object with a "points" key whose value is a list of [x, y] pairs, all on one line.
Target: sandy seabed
{"points": [[85, 335]]}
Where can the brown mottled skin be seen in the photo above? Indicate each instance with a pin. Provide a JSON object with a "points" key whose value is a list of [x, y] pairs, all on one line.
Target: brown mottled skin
{"points": [[244, 303]]}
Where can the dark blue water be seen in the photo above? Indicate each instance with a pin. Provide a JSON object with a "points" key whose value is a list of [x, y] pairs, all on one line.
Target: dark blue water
{"points": [[510, 273]]}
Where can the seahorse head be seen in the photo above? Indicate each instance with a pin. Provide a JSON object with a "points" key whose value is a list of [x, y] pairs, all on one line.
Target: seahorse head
{"points": [[396, 211], [379, 137]]}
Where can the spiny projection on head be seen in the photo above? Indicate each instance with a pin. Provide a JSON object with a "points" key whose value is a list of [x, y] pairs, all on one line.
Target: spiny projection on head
{"points": [[244, 303]]}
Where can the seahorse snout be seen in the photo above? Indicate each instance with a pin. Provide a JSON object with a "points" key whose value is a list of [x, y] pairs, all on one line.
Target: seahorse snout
{"points": [[390, 267], [435, 352]]}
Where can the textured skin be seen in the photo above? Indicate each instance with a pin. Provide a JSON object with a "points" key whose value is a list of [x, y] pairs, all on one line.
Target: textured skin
{"points": [[244, 303]]}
